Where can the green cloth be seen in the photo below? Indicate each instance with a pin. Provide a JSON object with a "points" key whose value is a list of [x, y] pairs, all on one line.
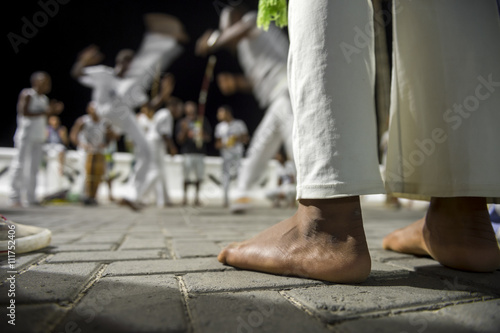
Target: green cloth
{"points": [[272, 10]]}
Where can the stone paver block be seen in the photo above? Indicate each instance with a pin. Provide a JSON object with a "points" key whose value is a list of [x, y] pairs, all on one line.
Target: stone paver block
{"points": [[195, 248], [130, 304], [240, 280], [340, 302], [80, 247], [50, 283], [254, 311], [462, 318], [456, 279], [146, 243], [101, 238], [167, 266], [33, 318], [107, 256]]}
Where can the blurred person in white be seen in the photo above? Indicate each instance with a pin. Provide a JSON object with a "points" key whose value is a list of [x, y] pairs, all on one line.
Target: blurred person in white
{"points": [[118, 91], [33, 108], [92, 133], [158, 127], [230, 137], [263, 58], [285, 189], [443, 141]]}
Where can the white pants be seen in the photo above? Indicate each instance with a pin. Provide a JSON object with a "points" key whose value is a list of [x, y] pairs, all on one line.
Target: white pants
{"points": [[156, 174], [273, 131], [231, 162], [331, 78], [24, 169]]}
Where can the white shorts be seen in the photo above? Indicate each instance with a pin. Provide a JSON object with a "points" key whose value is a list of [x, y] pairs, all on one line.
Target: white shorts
{"points": [[194, 163]]}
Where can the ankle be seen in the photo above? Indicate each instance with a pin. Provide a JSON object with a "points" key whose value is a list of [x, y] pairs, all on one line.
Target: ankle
{"points": [[333, 216]]}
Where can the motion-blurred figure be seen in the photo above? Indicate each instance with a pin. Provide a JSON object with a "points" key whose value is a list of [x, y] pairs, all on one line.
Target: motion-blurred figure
{"points": [[263, 58], [117, 91]]}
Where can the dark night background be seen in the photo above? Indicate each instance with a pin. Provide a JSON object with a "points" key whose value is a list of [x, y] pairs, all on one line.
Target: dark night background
{"points": [[112, 25]]}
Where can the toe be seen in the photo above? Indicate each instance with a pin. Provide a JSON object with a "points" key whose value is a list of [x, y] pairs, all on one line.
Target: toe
{"points": [[222, 257]]}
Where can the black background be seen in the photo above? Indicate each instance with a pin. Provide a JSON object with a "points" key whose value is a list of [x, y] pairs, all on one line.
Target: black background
{"points": [[112, 25]]}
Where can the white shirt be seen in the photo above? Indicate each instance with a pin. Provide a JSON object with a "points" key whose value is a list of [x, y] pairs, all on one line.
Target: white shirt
{"points": [[227, 131], [94, 133], [33, 128], [263, 57], [155, 128]]}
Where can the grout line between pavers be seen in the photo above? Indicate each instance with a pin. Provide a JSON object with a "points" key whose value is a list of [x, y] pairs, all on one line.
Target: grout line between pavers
{"points": [[177, 273], [95, 277], [296, 303], [266, 288], [185, 301]]}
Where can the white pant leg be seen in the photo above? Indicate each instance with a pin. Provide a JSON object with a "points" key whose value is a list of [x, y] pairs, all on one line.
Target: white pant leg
{"points": [[331, 80], [143, 179], [17, 170], [445, 103], [265, 143], [34, 161], [230, 165], [162, 196]]}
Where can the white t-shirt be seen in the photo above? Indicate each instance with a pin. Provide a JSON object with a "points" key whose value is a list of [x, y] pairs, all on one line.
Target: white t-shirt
{"points": [[33, 128], [94, 133], [155, 128], [263, 57], [227, 131]]}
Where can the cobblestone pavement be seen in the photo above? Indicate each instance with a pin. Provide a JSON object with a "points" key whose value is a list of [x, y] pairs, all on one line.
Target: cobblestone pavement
{"points": [[112, 270]]}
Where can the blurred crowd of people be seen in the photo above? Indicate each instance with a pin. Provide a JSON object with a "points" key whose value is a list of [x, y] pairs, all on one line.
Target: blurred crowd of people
{"points": [[134, 100]]}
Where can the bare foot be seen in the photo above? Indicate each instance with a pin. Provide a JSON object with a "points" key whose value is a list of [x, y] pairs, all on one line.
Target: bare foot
{"points": [[456, 232], [324, 240]]}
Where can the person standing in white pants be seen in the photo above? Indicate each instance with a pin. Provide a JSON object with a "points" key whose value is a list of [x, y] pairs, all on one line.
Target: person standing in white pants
{"points": [[158, 127], [230, 137], [263, 58], [33, 108], [439, 94], [118, 91]]}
